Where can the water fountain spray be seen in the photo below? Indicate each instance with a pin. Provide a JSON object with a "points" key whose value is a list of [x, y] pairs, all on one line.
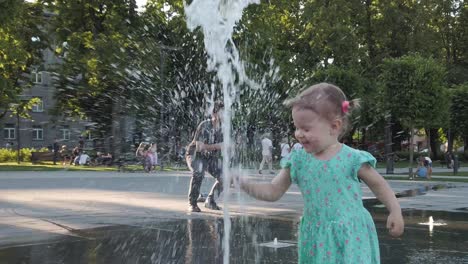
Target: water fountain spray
{"points": [[217, 19]]}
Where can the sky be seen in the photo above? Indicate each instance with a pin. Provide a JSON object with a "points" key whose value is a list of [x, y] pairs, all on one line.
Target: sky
{"points": [[140, 3]]}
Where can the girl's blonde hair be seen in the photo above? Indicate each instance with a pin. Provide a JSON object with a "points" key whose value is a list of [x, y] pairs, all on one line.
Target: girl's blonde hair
{"points": [[327, 101]]}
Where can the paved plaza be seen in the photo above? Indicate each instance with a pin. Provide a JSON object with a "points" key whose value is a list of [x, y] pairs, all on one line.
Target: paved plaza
{"points": [[39, 206]]}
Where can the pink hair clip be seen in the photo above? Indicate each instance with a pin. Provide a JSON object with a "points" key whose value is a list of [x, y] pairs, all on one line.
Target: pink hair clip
{"points": [[345, 106]]}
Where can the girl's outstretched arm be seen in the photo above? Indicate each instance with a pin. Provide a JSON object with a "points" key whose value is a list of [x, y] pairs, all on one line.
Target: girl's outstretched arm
{"points": [[271, 191], [384, 193]]}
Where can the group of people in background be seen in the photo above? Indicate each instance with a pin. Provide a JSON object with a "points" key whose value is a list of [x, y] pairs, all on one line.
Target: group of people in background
{"points": [[147, 152], [75, 157], [78, 155], [267, 151]]}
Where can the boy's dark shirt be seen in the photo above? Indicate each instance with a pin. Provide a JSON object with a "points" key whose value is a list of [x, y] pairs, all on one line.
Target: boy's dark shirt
{"points": [[207, 134]]}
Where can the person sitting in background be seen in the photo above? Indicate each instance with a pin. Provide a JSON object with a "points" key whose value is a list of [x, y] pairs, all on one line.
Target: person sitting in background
{"points": [[84, 159], [75, 156], [422, 170]]}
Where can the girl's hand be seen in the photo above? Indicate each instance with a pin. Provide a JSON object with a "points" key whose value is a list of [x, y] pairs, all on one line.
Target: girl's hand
{"points": [[395, 224]]}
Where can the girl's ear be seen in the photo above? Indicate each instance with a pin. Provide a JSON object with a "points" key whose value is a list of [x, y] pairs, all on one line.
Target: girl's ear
{"points": [[336, 126]]}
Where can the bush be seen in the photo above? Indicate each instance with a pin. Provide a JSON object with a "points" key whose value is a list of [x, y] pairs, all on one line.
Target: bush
{"points": [[9, 155]]}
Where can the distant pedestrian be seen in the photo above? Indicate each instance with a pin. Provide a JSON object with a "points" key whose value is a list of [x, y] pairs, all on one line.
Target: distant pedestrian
{"points": [[153, 154], [449, 159], [267, 154], [143, 153], [428, 162], [285, 149], [297, 146]]}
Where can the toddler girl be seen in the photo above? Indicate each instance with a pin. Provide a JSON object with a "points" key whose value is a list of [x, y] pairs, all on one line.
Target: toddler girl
{"points": [[335, 226]]}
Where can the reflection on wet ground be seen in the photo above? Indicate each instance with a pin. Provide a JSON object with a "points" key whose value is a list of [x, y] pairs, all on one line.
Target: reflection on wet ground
{"points": [[200, 241]]}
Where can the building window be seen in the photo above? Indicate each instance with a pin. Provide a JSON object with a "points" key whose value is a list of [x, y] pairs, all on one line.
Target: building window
{"points": [[39, 107], [65, 131], [9, 131], [36, 77], [37, 133]]}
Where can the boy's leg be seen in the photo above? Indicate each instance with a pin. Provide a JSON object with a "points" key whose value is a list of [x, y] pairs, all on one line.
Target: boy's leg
{"points": [[215, 169], [198, 171]]}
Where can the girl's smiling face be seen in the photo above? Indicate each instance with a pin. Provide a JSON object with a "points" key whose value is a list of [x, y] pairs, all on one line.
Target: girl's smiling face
{"points": [[314, 132]]}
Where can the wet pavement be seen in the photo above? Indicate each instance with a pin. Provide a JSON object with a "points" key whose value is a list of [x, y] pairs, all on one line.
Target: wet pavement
{"points": [[77, 217]]}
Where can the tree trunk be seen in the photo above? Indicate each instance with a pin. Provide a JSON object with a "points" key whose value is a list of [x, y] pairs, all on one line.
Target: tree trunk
{"points": [[465, 146], [450, 139], [411, 150], [433, 142]]}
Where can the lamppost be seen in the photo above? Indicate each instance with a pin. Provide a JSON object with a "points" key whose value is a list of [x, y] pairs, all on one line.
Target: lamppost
{"points": [[388, 145]]}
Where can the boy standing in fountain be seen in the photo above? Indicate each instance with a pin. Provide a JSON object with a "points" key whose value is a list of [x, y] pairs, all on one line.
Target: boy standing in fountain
{"points": [[204, 154], [335, 226]]}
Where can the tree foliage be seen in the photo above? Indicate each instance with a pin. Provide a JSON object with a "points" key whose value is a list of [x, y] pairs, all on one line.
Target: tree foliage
{"points": [[115, 61], [22, 39], [93, 40], [414, 91], [459, 110]]}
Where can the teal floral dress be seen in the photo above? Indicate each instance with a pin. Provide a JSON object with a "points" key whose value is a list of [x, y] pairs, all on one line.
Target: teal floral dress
{"points": [[335, 226]]}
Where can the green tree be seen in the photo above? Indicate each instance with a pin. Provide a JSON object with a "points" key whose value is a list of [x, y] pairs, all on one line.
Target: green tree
{"points": [[351, 82], [174, 80], [21, 109], [414, 93], [94, 41], [21, 43], [459, 113]]}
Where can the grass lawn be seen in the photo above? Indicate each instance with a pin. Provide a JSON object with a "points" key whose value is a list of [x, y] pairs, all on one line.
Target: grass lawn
{"points": [[433, 180], [460, 173], [439, 175], [49, 166]]}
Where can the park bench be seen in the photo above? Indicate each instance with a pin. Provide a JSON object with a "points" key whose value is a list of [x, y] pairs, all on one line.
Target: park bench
{"points": [[126, 159], [442, 163], [37, 157]]}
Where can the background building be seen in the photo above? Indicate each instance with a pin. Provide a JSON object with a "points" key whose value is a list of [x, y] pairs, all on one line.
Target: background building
{"points": [[43, 127]]}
